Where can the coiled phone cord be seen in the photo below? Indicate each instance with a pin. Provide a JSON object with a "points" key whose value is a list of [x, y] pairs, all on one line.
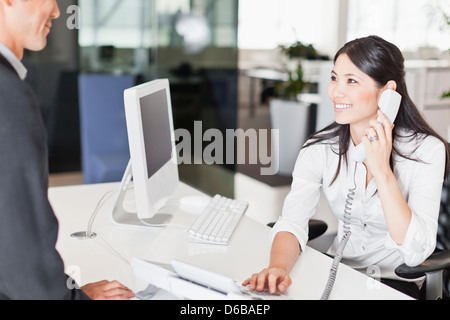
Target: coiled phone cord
{"points": [[343, 242]]}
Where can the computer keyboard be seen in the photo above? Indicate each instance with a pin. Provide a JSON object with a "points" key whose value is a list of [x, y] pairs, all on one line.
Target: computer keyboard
{"points": [[217, 221]]}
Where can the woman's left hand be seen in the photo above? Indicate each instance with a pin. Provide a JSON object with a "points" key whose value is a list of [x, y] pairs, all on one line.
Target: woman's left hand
{"points": [[378, 149]]}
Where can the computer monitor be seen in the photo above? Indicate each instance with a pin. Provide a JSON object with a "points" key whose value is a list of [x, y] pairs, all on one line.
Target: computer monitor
{"points": [[153, 164]]}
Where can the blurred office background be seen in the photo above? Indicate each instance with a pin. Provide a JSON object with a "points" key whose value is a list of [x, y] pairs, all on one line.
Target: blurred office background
{"points": [[223, 60]]}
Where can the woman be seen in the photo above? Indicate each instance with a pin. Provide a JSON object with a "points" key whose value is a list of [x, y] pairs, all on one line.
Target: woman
{"points": [[397, 190]]}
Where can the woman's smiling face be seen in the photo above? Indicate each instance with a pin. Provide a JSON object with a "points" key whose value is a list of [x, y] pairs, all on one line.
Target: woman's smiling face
{"points": [[353, 93]]}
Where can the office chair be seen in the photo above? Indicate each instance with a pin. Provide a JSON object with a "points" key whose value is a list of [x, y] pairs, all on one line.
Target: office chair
{"points": [[315, 228], [104, 139], [437, 267]]}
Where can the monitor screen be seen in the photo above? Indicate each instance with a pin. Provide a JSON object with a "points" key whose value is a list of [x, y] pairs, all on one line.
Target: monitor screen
{"points": [[153, 166], [156, 130]]}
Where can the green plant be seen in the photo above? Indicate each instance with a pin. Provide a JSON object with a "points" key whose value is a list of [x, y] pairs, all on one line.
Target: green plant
{"points": [[289, 89], [446, 95], [295, 84], [299, 50]]}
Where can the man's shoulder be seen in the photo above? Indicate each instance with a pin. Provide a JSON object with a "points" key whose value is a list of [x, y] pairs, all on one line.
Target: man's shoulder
{"points": [[10, 82], [9, 79], [16, 97], [6, 67]]}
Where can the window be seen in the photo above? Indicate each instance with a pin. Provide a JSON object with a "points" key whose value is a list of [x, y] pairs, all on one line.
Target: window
{"points": [[123, 24], [408, 24], [266, 24], [147, 23]]}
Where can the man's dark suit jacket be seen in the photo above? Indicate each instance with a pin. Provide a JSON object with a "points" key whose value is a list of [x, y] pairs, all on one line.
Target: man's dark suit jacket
{"points": [[30, 266]]}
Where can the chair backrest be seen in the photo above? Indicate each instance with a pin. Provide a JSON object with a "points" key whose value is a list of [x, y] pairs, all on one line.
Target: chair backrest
{"points": [[443, 235], [102, 119]]}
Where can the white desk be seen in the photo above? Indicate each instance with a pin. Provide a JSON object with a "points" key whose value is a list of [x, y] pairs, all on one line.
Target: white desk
{"points": [[94, 260]]}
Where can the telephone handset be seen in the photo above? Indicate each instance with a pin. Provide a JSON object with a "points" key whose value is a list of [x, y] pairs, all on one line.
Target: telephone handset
{"points": [[389, 104]]}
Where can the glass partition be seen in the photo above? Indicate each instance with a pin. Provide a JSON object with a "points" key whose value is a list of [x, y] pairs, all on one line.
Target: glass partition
{"points": [[193, 43]]}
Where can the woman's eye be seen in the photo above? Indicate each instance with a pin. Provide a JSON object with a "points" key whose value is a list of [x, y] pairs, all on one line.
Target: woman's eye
{"points": [[352, 80], [333, 78]]}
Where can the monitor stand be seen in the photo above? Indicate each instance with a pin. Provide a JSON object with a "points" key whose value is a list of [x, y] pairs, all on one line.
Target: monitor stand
{"points": [[122, 216]]}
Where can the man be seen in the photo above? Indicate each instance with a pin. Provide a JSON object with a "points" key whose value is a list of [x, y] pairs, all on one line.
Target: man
{"points": [[30, 266]]}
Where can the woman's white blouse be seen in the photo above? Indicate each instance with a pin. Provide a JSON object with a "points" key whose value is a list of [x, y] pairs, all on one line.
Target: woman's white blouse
{"points": [[370, 245]]}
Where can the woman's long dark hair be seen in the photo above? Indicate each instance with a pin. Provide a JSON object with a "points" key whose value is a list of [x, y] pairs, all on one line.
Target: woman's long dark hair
{"points": [[382, 61]]}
